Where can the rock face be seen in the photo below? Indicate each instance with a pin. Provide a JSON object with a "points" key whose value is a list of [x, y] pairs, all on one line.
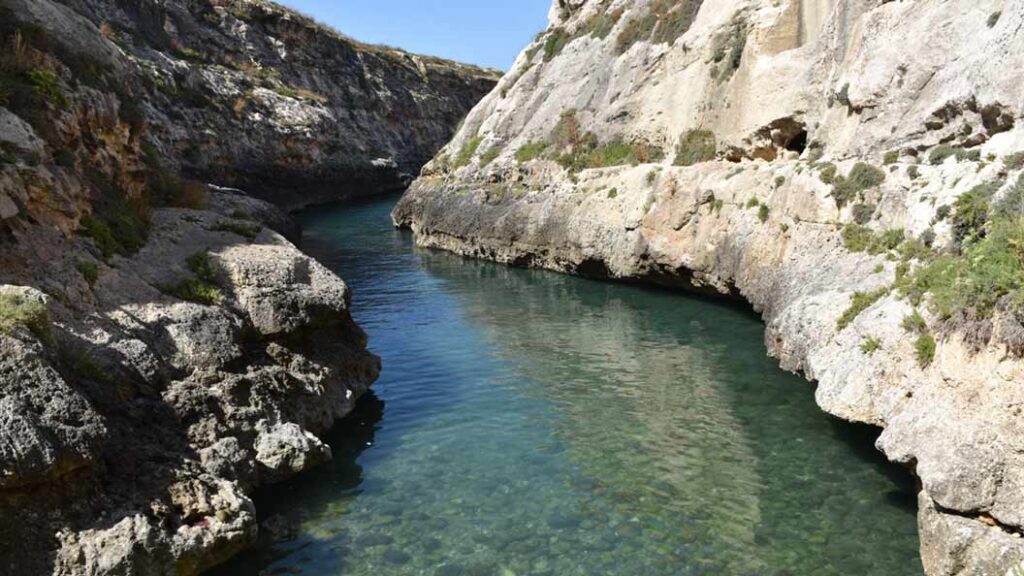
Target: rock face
{"points": [[249, 94], [136, 422], [817, 158], [164, 347]]}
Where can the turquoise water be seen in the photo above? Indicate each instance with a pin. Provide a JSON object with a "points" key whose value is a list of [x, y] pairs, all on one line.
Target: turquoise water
{"points": [[533, 423]]}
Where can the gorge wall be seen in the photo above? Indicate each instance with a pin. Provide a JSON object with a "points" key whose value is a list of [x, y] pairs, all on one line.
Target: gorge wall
{"points": [[852, 168], [164, 347]]}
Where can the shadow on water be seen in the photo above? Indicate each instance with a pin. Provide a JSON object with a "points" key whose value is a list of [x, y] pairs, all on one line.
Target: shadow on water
{"points": [[538, 423], [861, 440]]}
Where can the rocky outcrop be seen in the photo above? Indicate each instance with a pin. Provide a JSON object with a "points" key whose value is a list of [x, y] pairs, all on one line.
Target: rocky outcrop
{"points": [[143, 408], [251, 95], [845, 166], [164, 347]]}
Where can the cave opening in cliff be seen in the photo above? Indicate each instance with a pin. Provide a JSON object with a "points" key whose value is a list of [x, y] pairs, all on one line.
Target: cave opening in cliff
{"points": [[798, 143]]}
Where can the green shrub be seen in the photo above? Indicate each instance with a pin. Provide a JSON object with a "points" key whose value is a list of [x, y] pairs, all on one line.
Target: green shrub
{"points": [[566, 132], [870, 345], [861, 178], [100, 233], [202, 288], [942, 152], [1011, 204], [90, 272], [728, 47], [613, 193], [988, 269], [762, 213], [913, 172], [815, 152], [891, 157], [531, 151], [1014, 161], [118, 224], [193, 290], [753, 203], [828, 173], [914, 323], [247, 230], [600, 25], [489, 156], [971, 211], [202, 266], [925, 347], [46, 85], [663, 23], [16, 311], [857, 238], [636, 30], [779, 181], [675, 17], [860, 302], [556, 40], [863, 213], [695, 146], [618, 153], [467, 152], [651, 177]]}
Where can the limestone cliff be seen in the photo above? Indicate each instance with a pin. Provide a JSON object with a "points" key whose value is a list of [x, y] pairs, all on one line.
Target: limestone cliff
{"points": [[254, 96], [164, 348], [852, 168]]}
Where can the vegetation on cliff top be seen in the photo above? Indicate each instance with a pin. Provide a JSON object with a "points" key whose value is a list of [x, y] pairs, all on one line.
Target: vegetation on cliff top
{"points": [[17, 311], [576, 150], [663, 23]]}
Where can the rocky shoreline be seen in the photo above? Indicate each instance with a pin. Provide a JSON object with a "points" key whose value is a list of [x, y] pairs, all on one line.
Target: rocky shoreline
{"points": [[166, 348], [614, 151]]}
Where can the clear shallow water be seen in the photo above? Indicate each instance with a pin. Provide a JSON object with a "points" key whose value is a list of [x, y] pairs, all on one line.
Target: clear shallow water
{"points": [[533, 423]]}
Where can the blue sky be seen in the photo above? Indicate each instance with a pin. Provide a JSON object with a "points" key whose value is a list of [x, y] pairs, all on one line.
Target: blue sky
{"points": [[484, 32]]}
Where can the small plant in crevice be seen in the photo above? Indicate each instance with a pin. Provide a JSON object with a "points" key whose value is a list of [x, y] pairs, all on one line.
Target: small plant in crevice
{"points": [[90, 272], [201, 288], [827, 173], [925, 346], [863, 213], [942, 152], [1014, 161], [489, 156], [870, 345], [862, 177], [762, 213], [914, 323], [663, 22], [531, 151], [247, 230], [467, 152], [859, 302]]}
